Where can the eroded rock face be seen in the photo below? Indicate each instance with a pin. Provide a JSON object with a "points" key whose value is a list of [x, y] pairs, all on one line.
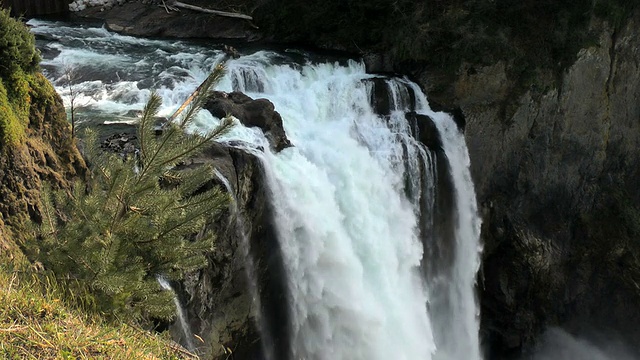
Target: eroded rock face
{"points": [[553, 180], [246, 263], [259, 113]]}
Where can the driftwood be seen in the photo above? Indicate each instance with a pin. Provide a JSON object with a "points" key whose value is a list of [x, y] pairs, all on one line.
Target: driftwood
{"points": [[178, 4]]}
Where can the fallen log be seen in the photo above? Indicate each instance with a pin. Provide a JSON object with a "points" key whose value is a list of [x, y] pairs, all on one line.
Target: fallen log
{"points": [[179, 4]]}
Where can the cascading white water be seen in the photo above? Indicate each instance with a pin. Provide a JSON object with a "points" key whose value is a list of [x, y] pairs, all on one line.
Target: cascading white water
{"points": [[347, 232], [184, 324], [348, 197], [465, 321]]}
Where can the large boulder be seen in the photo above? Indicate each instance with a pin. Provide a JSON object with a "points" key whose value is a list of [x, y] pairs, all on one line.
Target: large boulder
{"points": [[259, 113], [143, 18]]}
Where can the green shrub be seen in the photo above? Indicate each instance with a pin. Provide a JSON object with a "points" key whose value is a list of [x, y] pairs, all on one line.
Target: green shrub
{"points": [[17, 47], [19, 59]]}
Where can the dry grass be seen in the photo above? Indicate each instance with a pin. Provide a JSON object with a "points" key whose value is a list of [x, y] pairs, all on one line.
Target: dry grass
{"points": [[35, 324]]}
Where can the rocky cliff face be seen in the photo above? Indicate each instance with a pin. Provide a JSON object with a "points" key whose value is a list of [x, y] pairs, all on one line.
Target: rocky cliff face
{"points": [[556, 179], [46, 153], [238, 304]]}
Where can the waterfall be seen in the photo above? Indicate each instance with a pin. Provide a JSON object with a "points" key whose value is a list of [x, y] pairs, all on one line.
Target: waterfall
{"points": [[356, 200], [349, 198], [184, 324], [460, 324]]}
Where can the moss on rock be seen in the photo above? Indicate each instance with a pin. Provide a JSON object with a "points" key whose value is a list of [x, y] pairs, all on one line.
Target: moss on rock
{"points": [[35, 136], [11, 129]]}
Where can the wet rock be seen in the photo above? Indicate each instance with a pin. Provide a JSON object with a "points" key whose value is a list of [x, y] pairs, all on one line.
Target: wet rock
{"points": [[124, 144], [259, 113], [380, 99], [377, 63], [231, 51], [455, 111], [428, 133], [219, 298]]}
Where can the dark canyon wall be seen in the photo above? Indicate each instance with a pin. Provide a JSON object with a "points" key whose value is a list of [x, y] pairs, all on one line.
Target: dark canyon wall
{"points": [[557, 183]]}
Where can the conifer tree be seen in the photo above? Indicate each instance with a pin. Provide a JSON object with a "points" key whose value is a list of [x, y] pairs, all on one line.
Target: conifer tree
{"points": [[137, 218]]}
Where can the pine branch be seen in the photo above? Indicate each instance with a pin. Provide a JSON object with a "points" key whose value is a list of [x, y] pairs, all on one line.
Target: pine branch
{"points": [[47, 208], [148, 114], [122, 208], [220, 130], [202, 93], [176, 226]]}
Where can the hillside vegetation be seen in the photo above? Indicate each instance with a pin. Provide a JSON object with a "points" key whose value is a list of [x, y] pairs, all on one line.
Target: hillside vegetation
{"points": [[35, 323], [81, 248]]}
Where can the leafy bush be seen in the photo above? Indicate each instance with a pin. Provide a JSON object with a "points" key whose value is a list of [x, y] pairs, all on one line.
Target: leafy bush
{"points": [[18, 60]]}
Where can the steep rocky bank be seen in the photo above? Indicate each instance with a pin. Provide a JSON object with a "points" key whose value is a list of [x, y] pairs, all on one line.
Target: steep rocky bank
{"points": [[246, 262], [36, 143], [555, 165], [47, 153]]}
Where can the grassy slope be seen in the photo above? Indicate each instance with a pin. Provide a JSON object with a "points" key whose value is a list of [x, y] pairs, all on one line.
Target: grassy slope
{"points": [[36, 324], [36, 146]]}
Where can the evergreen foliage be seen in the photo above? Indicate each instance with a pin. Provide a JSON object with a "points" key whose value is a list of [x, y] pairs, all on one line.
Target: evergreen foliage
{"points": [[138, 218]]}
